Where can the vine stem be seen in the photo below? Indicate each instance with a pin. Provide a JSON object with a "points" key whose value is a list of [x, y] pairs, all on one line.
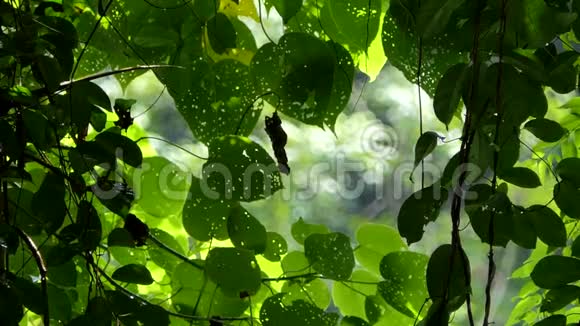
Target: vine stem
{"points": [[41, 268], [456, 203], [498, 107]]}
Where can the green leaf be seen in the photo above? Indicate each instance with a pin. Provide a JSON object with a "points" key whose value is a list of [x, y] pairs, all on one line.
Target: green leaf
{"points": [[438, 272], [301, 230], [8, 140], [438, 315], [99, 311], [21, 209], [521, 177], [312, 79], [488, 206], [234, 270], [239, 169], [554, 320], [315, 291], [569, 170], [59, 307], [11, 308], [418, 210], [562, 74], [9, 238], [330, 254], [50, 72], [276, 247], [38, 129], [221, 32], [64, 275], [373, 308], [555, 271], [61, 28], [275, 313], [576, 247], [433, 16], [353, 321], [203, 217], [246, 231], [219, 100], [287, 8], [401, 47], [424, 146], [29, 294], [448, 93], [374, 242], [205, 10], [190, 283], [404, 287], [161, 256], [559, 298], [537, 24], [347, 296], [295, 263], [121, 238], [120, 146], [152, 315], [524, 233], [354, 23], [48, 203], [162, 188], [133, 273], [545, 129], [566, 196], [90, 227], [521, 97], [547, 225]]}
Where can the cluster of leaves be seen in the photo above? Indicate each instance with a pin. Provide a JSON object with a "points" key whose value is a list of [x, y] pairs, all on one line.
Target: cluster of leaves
{"points": [[79, 197]]}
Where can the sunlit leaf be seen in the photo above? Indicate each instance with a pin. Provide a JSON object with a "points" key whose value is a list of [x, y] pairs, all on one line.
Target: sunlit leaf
{"points": [[404, 286], [239, 169], [374, 242], [276, 246], [448, 93], [133, 273], [246, 231], [330, 254], [545, 129], [441, 278], [418, 210], [234, 270], [560, 297], [301, 230], [521, 177], [555, 271], [274, 313]]}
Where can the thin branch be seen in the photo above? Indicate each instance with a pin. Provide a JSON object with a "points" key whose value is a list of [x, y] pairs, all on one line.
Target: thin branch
{"points": [[262, 23], [41, 268], [290, 278], [542, 159], [67, 84], [172, 144], [175, 253]]}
